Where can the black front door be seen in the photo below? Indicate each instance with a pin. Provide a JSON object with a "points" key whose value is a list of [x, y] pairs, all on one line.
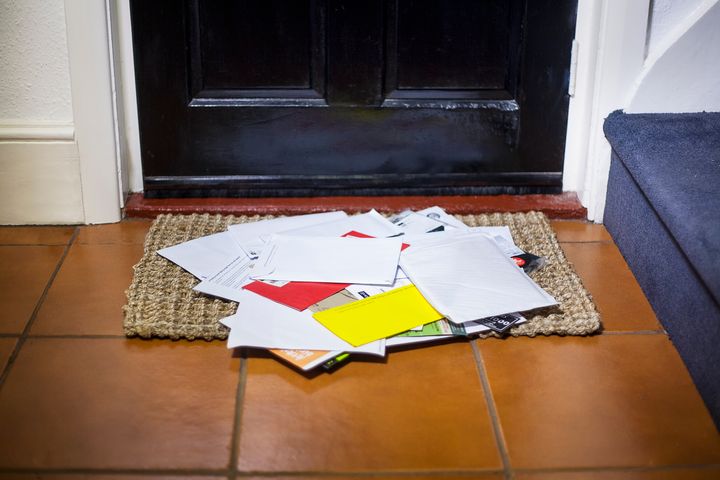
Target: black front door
{"points": [[308, 97]]}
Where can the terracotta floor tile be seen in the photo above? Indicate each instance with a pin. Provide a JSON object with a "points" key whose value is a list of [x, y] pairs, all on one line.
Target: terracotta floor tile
{"points": [[605, 401], [665, 474], [619, 298], [88, 293], [24, 273], [7, 344], [579, 231], [422, 410], [35, 235], [116, 403], [127, 231]]}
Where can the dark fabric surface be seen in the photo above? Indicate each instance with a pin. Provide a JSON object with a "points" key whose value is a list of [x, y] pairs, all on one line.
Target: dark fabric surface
{"points": [[675, 160], [680, 298]]}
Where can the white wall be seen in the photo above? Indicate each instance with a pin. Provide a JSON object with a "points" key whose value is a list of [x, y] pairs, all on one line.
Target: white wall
{"points": [[39, 160], [664, 17], [682, 71], [58, 128], [35, 84]]}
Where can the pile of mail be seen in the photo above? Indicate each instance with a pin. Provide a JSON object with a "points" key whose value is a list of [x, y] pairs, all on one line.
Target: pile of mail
{"points": [[313, 289]]}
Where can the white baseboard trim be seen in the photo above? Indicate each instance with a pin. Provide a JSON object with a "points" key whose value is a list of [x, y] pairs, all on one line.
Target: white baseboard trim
{"points": [[40, 183], [41, 132]]}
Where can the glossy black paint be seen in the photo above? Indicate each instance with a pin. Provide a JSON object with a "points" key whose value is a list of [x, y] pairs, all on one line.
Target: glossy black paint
{"points": [[303, 97]]}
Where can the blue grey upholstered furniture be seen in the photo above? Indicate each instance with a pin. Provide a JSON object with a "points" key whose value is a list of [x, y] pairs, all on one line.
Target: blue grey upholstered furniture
{"points": [[663, 211]]}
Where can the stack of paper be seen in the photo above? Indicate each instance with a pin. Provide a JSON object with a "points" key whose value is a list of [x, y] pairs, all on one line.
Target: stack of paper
{"points": [[313, 289]]}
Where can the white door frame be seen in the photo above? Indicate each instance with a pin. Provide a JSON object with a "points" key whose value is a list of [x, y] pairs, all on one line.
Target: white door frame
{"points": [[94, 113], [610, 49], [611, 36]]}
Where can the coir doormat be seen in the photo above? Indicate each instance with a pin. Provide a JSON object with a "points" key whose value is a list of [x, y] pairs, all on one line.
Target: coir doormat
{"points": [[161, 302]]}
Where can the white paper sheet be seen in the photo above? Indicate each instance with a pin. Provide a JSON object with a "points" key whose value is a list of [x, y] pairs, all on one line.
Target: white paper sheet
{"points": [[467, 277], [370, 261], [370, 223], [205, 255], [262, 323], [248, 235], [365, 291], [228, 281]]}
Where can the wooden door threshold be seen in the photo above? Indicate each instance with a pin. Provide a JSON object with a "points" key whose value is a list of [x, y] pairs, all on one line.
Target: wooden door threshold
{"points": [[565, 205]]}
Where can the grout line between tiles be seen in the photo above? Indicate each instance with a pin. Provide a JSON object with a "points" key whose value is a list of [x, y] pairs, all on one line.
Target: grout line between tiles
{"points": [[33, 244], [635, 332], [375, 474], [492, 410], [110, 243], [33, 315], [266, 474], [658, 468], [603, 242], [237, 419], [115, 471], [79, 336]]}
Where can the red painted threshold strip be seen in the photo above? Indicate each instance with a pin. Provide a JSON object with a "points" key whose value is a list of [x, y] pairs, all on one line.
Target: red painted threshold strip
{"points": [[565, 205]]}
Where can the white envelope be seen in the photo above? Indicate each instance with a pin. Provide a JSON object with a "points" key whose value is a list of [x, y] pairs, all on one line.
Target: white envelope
{"points": [[503, 237], [205, 255], [371, 261], [370, 223], [262, 323], [248, 235], [467, 277]]}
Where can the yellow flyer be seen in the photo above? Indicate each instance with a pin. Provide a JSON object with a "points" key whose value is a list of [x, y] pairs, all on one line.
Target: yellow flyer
{"points": [[379, 316]]}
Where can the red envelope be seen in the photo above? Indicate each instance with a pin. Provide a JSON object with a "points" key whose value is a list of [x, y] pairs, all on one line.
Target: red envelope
{"points": [[297, 295]]}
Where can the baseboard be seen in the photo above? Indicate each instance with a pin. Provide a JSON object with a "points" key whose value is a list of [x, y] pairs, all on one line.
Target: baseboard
{"points": [[40, 182]]}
